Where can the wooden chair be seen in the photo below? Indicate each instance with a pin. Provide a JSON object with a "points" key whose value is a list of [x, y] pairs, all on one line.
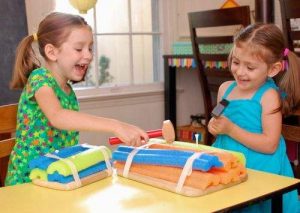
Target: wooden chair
{"points": [[291, 134], [212, 68], [8, 120], [290, 9]]}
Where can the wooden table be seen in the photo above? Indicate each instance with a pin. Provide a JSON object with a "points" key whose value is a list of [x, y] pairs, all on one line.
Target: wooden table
{"points": [[117, 194]]}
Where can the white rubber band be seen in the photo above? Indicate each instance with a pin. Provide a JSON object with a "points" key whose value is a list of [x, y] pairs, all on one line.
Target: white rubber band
{"points": [[71, 165], [131, 155], [187, 170], [104, 151]]}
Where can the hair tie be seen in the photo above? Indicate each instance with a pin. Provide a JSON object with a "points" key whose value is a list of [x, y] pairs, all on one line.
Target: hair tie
{"points": [[286, 51], [285, 63], [35, 37]]}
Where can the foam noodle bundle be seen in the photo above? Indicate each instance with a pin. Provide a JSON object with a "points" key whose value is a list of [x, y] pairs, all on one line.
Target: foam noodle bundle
{"points": [[71, 167], [166, 157], [180, 168]]}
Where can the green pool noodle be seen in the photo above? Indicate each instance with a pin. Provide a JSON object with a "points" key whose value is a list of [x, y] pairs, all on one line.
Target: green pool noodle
{"points": [[38, 174], [240, 156], [81, 161]]}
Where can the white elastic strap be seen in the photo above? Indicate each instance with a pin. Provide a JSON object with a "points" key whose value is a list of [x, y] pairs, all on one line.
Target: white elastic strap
{"points": [[187, 170], [71, 165], [131, 155], [104, 151]]}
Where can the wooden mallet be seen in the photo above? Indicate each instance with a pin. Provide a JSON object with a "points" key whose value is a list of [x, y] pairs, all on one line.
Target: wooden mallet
{"points": [[167, 132]]}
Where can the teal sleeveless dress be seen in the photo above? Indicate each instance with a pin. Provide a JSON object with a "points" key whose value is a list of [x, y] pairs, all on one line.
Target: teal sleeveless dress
{"points": [[246, 113]]}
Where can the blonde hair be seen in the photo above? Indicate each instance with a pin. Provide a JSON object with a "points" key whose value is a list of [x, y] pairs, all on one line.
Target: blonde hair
{"points": [[53, 29], [267, 42]]}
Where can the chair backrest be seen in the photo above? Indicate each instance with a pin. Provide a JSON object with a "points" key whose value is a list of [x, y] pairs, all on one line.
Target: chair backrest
{"points": [[212, 64], [291, 128], [8, 120], [290, 9], [291, 134]]}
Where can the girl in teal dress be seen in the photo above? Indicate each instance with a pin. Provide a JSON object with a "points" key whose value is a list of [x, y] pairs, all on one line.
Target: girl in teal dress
{"points": [[48, 112], [251, 123]]}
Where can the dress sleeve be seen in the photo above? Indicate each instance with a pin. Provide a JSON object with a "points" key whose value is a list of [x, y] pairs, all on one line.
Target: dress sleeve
{"points": [[37, 79]]}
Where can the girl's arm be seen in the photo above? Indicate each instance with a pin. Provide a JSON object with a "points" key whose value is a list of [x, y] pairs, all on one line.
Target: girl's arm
{"points": [[268, 140], [72, 120], [223, 87]]}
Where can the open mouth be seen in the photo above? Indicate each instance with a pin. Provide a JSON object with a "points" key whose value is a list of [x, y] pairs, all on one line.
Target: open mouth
{"points": [[81, 69], [242, 81]]}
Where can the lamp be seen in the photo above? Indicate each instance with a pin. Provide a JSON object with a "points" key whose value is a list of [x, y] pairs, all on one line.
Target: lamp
{"points": [[83, 5]]}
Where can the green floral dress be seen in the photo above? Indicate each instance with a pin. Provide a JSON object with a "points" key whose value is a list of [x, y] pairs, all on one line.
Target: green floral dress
{"points": [[35, 135]]}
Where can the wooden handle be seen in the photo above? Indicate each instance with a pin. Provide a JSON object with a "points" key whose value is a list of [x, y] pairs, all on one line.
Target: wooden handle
{"points": [[152, 134]]}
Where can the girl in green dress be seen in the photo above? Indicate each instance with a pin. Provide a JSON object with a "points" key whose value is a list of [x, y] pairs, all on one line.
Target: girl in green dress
{"points": [[48, 117]]}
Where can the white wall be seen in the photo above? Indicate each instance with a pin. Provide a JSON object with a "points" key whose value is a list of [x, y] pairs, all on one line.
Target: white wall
{"points": [[36, 10], [141, 109]]}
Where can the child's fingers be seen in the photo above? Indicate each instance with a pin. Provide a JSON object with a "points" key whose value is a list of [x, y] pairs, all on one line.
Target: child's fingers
{"points": [[211, 128], [141, 137], [145, 136]]}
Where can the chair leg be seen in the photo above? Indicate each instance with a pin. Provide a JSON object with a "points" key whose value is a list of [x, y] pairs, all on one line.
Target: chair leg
{"points": [[297, 165], [3, 169], [297, 174], [3, 161]]}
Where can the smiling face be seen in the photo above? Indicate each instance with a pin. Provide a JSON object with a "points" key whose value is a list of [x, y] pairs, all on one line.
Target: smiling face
{"points": [[248, 69], [75, 54], [71, 59]]}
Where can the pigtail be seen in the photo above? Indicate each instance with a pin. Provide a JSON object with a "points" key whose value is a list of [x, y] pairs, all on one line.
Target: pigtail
{"points": [[25, 62], [290, 84], [229, 59]]}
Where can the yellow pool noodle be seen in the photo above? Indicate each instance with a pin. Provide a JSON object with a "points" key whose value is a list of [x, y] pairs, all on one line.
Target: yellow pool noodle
{"points": [[38, 174], [240, 156], [81, 161]]}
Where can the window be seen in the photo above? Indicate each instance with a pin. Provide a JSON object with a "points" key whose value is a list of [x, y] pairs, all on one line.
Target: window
{"points": [[127, 42]]}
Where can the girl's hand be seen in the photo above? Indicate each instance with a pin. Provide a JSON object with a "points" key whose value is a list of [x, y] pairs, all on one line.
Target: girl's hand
{"points": [[131, 135], [220, 125], [209, 127]]}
